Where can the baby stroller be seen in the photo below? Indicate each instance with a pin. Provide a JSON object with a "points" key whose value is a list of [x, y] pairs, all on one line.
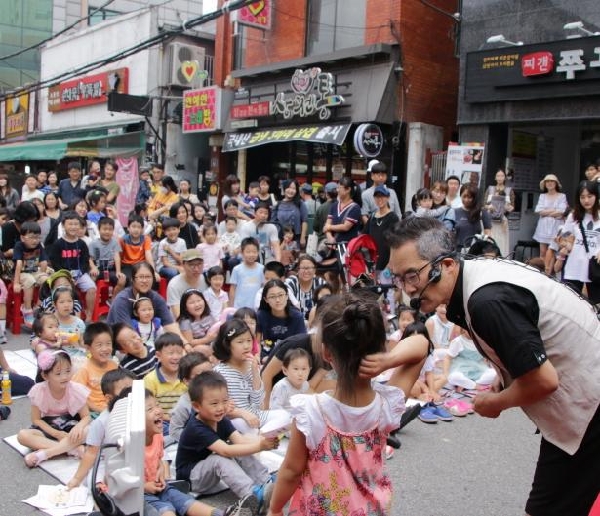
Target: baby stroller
{"points": [[360, 260]]}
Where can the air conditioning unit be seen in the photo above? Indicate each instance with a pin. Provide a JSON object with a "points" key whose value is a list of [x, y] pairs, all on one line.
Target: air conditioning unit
{"points": [[184, 64]]}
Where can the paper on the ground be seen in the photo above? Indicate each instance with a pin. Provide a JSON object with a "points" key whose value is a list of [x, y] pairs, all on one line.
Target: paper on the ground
{"points": [[277, 425], [60, 501]]}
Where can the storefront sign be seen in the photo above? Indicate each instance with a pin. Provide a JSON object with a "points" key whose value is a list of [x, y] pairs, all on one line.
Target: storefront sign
{"points": [[368, 140], [256, 14], [334, 133], [563, 68], [465, 162], [201, 110], [244, 124], [87, 91], [16, 116], [254, 110], [313, 94]]}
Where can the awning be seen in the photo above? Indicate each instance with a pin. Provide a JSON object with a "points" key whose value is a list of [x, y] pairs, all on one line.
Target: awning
{"points": [[319, 133], [100, 146]]}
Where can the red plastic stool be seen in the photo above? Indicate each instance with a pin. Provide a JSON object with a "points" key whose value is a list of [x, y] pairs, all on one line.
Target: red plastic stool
{"points": [[14, 317], [162, 288], [101, 300]]}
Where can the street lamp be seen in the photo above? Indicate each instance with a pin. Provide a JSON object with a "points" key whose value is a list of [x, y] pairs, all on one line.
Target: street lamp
{"points": [[578, 25], [499, 38]]}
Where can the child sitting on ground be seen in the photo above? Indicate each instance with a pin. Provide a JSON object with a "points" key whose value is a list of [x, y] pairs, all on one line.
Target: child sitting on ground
{"points": [[97, 339], [196, 321], [59, 412], [112, 383], [212, 451], [190, 366], [70, 327], [61, 278], [167, 500], [164, 382], [137, 357], [170, 249], [296, 368]]}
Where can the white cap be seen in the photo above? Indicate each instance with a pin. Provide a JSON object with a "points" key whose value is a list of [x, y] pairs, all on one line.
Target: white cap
{"points": [[371, 164]]}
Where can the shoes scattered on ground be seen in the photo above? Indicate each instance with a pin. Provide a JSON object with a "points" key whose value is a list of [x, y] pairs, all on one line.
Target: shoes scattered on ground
{"points": [[389, 452], [409, 414], [263, 494], [249, 502], [27, 317], [4, 412], [458, 408], [432, 413]]}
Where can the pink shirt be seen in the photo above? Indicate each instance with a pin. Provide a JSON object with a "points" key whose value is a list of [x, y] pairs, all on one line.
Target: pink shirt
{"points": [[74, 399], [212, 254]]}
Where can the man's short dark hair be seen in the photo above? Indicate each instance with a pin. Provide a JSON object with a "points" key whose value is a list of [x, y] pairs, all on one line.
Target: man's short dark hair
{"points": [[30, 227], [72, 215], [106, 221], [379, 167], [450, 178], [276, 267], [188, 362], [262, 205], [205, 380], [170, 223], [167, 339], [74, 164]]}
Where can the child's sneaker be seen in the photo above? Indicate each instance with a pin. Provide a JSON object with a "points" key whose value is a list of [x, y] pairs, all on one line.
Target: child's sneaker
{"points": [[249, 502], [4, 412], [441, 413], [263, 494], [427, 414]]}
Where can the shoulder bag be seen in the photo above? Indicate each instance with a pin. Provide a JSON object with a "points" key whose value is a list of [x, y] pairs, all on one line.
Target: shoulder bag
{"points": [[594, 266]]}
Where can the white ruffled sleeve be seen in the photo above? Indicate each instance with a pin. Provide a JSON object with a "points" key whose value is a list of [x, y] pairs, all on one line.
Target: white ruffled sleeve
{"points": [[77, 395], [394, 405], [308, 418]]}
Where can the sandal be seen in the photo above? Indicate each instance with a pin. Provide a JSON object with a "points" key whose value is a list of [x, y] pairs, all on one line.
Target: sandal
{"points": [[34, 459]]}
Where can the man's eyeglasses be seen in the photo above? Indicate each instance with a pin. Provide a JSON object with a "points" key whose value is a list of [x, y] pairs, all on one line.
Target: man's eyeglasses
{"points": [[144, 278], [411, 278]]}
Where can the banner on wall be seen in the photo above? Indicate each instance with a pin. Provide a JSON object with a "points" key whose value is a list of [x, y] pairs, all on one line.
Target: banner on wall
{"points": [[128, 180], [256, 14], [465, 162], [16, 115], [202, 110]]}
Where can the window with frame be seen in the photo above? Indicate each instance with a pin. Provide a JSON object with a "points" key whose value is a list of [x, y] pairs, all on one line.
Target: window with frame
{"points": [[334, 25]]}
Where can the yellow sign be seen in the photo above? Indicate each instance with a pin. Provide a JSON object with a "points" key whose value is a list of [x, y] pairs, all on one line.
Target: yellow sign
{"points": [[16, 115]]}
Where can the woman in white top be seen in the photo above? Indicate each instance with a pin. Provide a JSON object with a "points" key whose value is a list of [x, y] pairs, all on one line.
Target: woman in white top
{"points": [[551, 208], [498, 201], [583, 222]]}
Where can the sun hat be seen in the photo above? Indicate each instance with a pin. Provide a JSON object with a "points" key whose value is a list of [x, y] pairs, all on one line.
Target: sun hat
{"points": [[549, 177]]}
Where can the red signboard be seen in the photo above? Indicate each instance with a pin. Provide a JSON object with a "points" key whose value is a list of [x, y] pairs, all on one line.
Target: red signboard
{"points": [[256, 14], [254, 110], [537, 63], [87, 91]]}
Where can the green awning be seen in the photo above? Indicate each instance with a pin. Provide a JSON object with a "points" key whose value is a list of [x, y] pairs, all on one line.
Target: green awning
{"points": [[123, 145]]}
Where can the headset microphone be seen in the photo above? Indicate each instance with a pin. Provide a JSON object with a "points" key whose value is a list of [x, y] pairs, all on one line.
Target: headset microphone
{"points": [[435, 275]]}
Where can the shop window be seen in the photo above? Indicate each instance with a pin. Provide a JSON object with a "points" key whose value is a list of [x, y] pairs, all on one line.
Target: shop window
{"points": [[335, 24]]}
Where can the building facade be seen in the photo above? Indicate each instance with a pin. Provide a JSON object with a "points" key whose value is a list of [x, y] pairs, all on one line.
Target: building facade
{"points": [[320, 88], [535, 105]]}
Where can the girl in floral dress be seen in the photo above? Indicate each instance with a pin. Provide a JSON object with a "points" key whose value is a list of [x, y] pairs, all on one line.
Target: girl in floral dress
{"points": [[334, 462]]}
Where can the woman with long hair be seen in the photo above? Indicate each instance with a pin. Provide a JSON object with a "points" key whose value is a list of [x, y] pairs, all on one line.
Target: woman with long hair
{"points": [[471, 219], [52, 205], [551, 208], [499, 202], [584, 223], [232, 190], [11, 196], [167, 196], [185, 192], [291, 211], [187, 230]]}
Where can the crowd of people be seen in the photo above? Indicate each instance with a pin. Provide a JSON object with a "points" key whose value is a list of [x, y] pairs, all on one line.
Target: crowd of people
{"points": [[253, 330]]}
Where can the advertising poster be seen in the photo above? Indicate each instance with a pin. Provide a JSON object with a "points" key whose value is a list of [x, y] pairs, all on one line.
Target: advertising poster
{"points": [[465, 162]]}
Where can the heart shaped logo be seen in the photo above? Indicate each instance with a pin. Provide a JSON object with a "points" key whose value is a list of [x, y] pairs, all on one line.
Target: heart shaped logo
{"points": [[189, 69], [302, 80], [256, 7]]}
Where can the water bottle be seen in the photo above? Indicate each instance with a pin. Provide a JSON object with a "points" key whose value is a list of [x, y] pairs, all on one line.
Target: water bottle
{"points": [[6, 389]]}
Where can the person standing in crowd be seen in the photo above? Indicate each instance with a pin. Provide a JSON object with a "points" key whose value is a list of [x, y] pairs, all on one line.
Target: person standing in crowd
{"points": [[10, 195], [584, 223], [291, 211], [306, 194], [471, 219], [378, 172], [377, 225], [232, 190], [446, 214], [185, 192], [264, 232], [70, 189], [158, 172], [536, 334], [30, 190], [551, 208], [109, 182], [264, 191], [453, 197], [498, 202], [344, 215], [323, 210]]}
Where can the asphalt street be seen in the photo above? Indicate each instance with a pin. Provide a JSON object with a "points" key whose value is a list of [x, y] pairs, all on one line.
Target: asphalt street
{"points": [[469, 467]]}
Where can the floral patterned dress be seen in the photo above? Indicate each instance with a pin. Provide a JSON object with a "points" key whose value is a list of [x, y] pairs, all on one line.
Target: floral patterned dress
{"points": [[344, 475]]}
